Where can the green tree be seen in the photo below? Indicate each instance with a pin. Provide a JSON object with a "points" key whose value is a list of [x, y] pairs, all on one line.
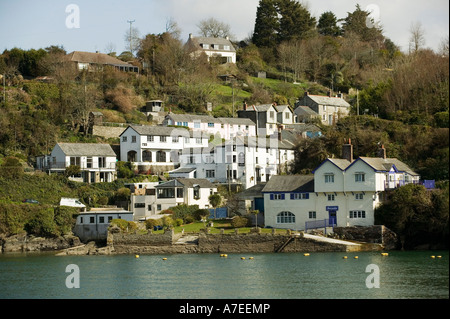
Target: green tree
{"points": [[215, 200], [266, 24], [328, 24], [295, 20], [357, 22]]}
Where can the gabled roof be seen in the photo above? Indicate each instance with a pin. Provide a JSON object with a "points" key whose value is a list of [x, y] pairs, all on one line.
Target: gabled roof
{"points": [[290, 183], [340, 163], [258, 108], [213, 41], [86, 149], [95, 58], [385, 164], [327, 100]]}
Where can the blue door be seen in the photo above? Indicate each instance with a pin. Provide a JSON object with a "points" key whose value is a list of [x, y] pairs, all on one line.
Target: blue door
{"points": [[333, 217], [259, 204]]}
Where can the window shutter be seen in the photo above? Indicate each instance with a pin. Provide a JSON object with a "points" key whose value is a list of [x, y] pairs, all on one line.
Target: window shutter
{"points": [[282, 196], [292, 196], [307, 195], [271, 196]]}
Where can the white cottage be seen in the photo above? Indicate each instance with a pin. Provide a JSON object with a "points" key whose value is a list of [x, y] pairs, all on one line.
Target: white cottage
{"points": [[184, 191], [97, 162]]}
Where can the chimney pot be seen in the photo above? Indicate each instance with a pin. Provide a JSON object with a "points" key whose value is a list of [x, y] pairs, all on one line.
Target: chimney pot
{"points": [[382, 152], [347, 151]]}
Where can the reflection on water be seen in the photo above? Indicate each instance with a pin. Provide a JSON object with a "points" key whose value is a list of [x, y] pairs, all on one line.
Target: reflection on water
{"points": [[274, 276]]}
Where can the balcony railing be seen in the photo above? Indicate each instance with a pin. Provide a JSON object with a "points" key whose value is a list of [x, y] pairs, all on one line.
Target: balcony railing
{"points": [[64, 165], [428, 184]]}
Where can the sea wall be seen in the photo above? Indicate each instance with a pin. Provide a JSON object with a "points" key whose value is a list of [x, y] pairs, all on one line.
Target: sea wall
{"points": [[28, 243], [217, 243], [377, 234]]}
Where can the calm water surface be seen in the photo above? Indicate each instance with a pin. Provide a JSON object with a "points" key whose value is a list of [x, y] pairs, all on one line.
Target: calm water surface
{"points": [[275, 276]]}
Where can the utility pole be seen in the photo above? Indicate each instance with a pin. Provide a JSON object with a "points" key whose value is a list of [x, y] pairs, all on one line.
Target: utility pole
{"points": [[131, 22]]}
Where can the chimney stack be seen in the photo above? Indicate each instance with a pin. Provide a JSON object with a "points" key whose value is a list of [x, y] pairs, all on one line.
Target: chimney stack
{"points": [[347, 151], [306, 93], [382, 152], [245, 106]]}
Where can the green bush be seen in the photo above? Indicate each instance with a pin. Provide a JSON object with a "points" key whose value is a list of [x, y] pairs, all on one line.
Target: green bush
{"points": [[150, 223], [239, 222], [178, 222], [125, 226]]}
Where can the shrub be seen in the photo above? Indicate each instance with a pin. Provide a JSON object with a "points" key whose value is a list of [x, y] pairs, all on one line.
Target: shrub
{"points": [[125, 226], [178, 222], [150, 223], [239, 222]]}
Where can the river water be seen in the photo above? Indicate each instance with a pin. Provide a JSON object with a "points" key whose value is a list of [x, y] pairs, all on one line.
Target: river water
{"points": [[407, 275]]}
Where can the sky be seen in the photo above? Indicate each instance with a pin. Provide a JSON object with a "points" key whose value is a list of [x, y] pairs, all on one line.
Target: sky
{"points": [[97, 25]]}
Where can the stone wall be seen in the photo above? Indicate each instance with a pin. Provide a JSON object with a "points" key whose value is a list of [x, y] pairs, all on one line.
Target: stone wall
{"points": [[27, 243], [377, 234]]}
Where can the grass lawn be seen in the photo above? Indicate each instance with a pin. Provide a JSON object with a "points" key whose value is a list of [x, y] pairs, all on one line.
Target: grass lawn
{"points": [[217, 226]]}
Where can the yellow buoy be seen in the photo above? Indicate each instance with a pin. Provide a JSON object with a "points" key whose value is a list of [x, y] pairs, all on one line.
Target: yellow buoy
{"points": [[345, 257], [439, 256], [164, 258], [137, 256], [225, 255], [242, 258], [356, 257], [307, 254], [251, 258], [384, 254], [433, 256]]}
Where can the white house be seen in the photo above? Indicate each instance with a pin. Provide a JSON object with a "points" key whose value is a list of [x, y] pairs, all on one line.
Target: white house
{"points": [[93, 225], [328, 109], [97, 162], [226, 127], [240, 161], [183, 191], [220, 48], [157, 147], [342, 192]]}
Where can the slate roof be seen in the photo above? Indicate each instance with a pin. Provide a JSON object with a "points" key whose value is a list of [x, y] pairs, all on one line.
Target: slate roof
{"points": [[326, 100], [209, 119], [213, 41], [290, 183], [86, 149], [156, 130], [385, 164]]}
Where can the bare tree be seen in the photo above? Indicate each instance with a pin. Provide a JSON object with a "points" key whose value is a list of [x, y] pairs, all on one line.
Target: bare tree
{"points": [[443, 46], [417, 38], [132, 39], [173, 28], [214, 28]]}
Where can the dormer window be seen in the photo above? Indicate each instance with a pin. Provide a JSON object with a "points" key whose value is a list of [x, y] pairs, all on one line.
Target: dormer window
{"points": [[205, 46]]}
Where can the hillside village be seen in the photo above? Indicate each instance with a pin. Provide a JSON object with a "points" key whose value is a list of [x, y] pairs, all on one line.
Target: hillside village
{"points": [[324, 155]]}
